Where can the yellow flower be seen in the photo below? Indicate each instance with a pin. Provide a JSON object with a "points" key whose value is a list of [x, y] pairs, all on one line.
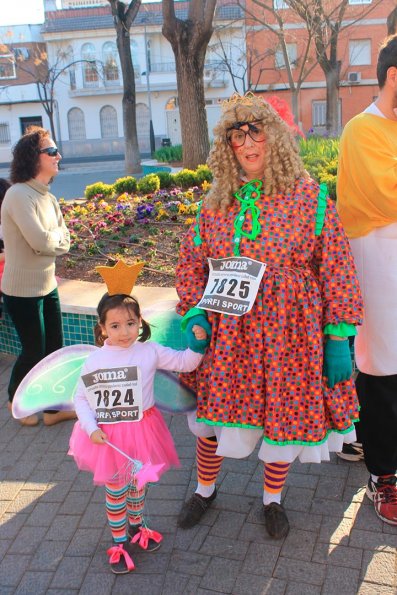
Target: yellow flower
{"points": [[182, 209], [189, 221], [192, 209], [205, 186], [162, 214]]}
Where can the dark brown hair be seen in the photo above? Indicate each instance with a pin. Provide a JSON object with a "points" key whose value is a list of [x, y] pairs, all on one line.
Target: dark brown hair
{"points": [[26, 154], [387, 57], [120, 300]]}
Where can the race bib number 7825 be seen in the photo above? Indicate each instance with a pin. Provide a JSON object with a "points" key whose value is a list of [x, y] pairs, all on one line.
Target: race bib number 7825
{"points": [[232, 285]]}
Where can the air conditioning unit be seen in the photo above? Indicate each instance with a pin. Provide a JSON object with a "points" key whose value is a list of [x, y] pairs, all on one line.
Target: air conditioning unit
{"points": [[354, 77]]}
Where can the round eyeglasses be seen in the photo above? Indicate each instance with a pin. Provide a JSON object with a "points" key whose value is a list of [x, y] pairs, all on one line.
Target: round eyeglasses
{"points": [[236, 136]]}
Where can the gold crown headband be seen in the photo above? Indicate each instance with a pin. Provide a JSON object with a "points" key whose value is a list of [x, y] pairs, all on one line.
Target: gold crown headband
{"points": [[121, 278], [249, 99]]}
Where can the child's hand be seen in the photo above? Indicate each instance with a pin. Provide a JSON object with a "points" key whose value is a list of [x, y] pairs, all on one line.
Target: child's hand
{"points": [[199, 332], [98, 437]]}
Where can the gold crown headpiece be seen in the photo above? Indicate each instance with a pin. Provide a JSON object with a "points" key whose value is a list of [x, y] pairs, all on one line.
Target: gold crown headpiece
{"points": [[120, 278], [249, 99]]}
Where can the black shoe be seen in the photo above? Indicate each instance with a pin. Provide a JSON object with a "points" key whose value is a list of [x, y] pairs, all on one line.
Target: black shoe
{"points": [[148, 540], [120, 558], [352, 452], [194, 509], [276, 521]]}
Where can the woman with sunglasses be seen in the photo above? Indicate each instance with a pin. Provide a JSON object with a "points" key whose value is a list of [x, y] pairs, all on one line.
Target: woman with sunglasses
{"points": [[34, 234], [267, 271]]}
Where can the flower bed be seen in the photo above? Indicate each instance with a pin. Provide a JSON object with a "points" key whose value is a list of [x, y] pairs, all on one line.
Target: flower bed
{"points": [[134, 226]]}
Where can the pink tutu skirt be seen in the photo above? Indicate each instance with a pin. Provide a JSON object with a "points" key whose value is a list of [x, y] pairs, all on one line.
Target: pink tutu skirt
{"points": [[147, 440]]}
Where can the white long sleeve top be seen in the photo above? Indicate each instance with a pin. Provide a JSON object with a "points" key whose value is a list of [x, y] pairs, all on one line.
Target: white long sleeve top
{"points": [[148, 357]]}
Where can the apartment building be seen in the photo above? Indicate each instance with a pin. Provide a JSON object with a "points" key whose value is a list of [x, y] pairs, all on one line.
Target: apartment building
{"points": [[22, 58], [357, 54], [80, 39]]}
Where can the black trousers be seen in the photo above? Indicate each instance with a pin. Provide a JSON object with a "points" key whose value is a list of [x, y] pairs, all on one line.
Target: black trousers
{"points": [[38, 322], [378, 422]]}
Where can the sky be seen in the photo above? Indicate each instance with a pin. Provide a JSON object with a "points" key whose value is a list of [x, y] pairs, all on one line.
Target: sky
{"points": [[24, 12]]}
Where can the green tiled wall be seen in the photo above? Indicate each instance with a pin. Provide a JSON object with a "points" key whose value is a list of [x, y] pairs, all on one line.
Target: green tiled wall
{"points": [[77, 328]]}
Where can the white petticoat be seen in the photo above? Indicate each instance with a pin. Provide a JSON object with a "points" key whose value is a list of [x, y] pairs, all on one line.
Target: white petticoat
{"points": [[238, 443]]}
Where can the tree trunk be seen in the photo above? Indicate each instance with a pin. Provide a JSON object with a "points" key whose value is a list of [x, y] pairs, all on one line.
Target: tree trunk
{"points": [[189, 41], [132, 155], [194, 127], [295, 104], [332, 81]]}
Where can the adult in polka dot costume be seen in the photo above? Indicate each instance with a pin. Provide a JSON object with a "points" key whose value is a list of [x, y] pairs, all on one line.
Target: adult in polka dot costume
{"points": [[278, 368]]}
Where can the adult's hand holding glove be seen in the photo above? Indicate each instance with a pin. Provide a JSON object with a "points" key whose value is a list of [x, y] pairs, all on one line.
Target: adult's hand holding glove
{"points": [[197, 345], [337, 361]]}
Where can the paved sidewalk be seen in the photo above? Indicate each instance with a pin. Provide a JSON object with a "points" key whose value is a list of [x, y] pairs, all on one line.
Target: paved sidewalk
{"points": [[53, 533]]}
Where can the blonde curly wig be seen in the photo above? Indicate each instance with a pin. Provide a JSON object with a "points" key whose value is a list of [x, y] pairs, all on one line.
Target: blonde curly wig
{"points": [[283, 163]]}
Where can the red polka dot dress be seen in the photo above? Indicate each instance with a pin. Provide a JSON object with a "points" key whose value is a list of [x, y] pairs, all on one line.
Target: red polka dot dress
{"points": [[263, 371]]}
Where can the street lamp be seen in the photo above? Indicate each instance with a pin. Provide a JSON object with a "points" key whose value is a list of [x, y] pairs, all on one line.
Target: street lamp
{"points": [[151, 131]]}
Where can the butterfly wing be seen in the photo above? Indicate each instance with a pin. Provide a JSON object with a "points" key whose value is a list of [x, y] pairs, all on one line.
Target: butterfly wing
{"points": [[51, 384], [171, 395]]}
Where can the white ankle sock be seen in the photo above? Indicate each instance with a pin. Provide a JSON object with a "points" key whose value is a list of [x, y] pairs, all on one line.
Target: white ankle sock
{"points": [[268, 497], [205, 491], [374, 477]]}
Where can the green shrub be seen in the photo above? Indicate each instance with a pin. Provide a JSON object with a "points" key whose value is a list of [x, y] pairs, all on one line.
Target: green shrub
{"points": [[169, 154], [203, 174], [127, 184], [149, 183], [106, 190], [186, 178], [320, 158], [165, 177]]}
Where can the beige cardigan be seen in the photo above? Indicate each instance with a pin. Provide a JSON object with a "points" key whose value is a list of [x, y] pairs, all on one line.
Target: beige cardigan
{"points": [[34, 234]]}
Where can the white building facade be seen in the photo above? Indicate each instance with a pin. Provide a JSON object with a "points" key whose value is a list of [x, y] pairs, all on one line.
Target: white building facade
{"points": [[88, 94]]}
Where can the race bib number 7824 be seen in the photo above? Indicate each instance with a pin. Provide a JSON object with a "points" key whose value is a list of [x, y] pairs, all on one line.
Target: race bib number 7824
{"points": [[115, 394]]}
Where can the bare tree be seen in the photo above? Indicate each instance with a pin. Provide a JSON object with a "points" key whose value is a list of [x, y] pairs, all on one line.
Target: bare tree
{"points": [[44, 75], [124, 14], [324, 21], [297, 70], [242, 64], [189, 41]]}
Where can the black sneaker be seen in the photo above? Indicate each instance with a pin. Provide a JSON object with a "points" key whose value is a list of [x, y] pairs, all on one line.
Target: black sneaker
{"points": [[194, 509], [120, 559], [276, 521], [148, 540], [352, 452]]}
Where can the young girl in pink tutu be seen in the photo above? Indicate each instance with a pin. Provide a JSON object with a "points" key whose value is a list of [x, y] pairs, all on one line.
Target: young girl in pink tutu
{"points": [[114, 403]]}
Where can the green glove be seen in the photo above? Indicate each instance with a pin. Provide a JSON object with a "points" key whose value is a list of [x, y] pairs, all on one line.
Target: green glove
{"points": [[199, 346], [337, 361]]}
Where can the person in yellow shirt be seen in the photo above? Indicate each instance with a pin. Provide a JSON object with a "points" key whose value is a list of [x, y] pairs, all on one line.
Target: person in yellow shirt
{"points": [[367, 205]]}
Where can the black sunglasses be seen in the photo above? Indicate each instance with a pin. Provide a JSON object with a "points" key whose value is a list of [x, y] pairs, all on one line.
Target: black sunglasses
{"points": [[51, 151]]}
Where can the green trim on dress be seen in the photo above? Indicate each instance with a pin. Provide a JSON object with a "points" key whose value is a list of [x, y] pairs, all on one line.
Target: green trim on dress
{"points": [[321, 209], [197, 241], [274, 442], [247, 196], [343, 329]]}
